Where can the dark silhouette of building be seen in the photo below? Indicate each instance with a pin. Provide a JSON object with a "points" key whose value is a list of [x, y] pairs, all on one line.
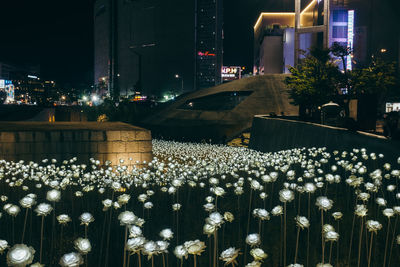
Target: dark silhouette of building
{"points": [[208, 42]]}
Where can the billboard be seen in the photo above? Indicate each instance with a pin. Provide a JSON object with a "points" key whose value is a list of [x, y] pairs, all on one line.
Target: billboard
{"points": [[392, 107], [231, 73]]}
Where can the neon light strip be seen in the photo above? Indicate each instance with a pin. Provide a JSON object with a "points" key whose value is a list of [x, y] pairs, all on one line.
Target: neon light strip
{"points": [[350, 37]]}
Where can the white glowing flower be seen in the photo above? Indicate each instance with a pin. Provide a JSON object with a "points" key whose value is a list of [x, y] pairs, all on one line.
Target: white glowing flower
{"points": [[229, 256], [53, 195], [195, 247], [43, 209], [324, 203], [126, 218], [286, 195], [277, 211], [176, 206], [20, 255], [253, 240], [228, 216], [27, 202], [302, 222], [337, 215], [86, 218], [3, 246], [258, 254], [380, 201], [124, 199], [215, 219], [150, 248], [13, 210], [166, 234], [107, 203], [388, 212], [72, 259], [254, 264], [261, 213], [331, 236], [373, 226], [83, 245], [209, 229], [134, 245], [63, 219], [181, 252]]}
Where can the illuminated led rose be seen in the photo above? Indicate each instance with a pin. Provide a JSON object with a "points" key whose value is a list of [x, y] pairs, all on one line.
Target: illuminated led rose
{"points": [[126, 218], [86, 218], [286, 195], [195, 247], [253, 240], [302, 222], [228, 216], [209, 229], [254, 264], [134, 245], [20, 255], [53, 195], [166, 234], [83, 245], [107, 203], [229, 256], [150, 248], [331, 236], [361, 211], [72, 259], [13, 210], [337, 215], [388, 212], [277, 211], [176, 206], [3, 245], [324, 203], [27, 202], [373, 226], [215, 219], [43, 209], [258, 254], [63, 219], [181, 252], [380, 201], [124, 199]]}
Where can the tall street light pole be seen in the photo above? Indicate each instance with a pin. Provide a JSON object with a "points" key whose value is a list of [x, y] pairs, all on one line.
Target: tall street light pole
{"points": [[177, 76]]}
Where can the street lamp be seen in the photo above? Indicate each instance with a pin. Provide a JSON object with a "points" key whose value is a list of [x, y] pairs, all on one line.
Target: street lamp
{"points": [[177, 76]]}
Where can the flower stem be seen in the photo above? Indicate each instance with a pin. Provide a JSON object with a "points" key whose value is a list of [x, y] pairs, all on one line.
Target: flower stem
{"points": [[360, 240], [386, 243], [126, 234], [23, 231], [41, 240], [284, 235], [351, 238], [394, 236], [297, 244], [370, 249], [322, 237]]}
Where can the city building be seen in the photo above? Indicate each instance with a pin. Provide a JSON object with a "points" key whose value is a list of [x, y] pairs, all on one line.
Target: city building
{"points": [[208, 43], [139, 48], [280, 36]]}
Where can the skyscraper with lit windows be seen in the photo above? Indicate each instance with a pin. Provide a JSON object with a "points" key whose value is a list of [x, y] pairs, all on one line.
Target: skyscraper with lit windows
{"points": [[208, 43]]}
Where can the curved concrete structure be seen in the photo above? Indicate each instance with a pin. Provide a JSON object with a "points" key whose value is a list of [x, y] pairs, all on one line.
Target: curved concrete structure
{"points": [[102, 141], [268, 94], [274, 134]]}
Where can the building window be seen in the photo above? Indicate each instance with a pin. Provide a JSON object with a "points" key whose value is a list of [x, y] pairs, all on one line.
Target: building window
{"points": [[339, 32], [339, 16]]}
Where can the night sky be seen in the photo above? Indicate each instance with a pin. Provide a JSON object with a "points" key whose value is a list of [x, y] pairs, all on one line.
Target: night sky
{"points": [[58, 35]]}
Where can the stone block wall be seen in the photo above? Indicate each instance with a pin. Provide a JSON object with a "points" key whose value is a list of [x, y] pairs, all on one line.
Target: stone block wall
{"points": [[109, 141]]}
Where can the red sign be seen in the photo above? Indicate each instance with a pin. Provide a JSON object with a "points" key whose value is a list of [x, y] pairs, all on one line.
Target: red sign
{"points": [[205, 54]]}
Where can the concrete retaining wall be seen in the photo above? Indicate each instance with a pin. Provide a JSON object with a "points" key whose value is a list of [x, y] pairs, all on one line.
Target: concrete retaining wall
{"points": [[103, 141], [273, 134]]}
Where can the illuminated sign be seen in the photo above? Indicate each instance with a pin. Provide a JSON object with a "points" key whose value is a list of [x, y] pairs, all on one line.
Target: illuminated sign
{"points": [[350, 37], [392, 107], [205, 54], [2, 84], [231, 73], [33, 76]]}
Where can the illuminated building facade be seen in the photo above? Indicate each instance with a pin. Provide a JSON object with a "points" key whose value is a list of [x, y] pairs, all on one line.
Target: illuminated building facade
{"points": [[208, 43], [279, 36]]}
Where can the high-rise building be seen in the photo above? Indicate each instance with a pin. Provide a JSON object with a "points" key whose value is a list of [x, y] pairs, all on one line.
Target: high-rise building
{"points": [[208, 42]]}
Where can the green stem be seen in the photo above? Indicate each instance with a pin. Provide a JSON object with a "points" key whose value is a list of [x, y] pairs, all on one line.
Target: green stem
{"points": [[359, 242]]}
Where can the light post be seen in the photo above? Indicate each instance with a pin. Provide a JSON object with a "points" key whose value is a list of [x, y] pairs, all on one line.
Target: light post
{"points": [[177, 76]]}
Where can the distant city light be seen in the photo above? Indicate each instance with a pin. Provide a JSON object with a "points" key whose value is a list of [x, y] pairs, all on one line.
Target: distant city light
{"points": [[383, 50], [84, 98], [95, 98]]}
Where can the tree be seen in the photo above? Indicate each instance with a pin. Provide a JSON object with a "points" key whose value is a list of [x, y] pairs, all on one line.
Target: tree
{"points": [[314, 81]]}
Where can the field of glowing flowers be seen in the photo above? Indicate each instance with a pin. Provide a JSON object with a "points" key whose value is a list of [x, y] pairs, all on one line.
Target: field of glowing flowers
{"points": [[204, 205]]}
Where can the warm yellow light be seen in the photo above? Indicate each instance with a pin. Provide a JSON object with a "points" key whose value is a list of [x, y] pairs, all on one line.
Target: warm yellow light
{"points": [[271, 14], [308, 6]]}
